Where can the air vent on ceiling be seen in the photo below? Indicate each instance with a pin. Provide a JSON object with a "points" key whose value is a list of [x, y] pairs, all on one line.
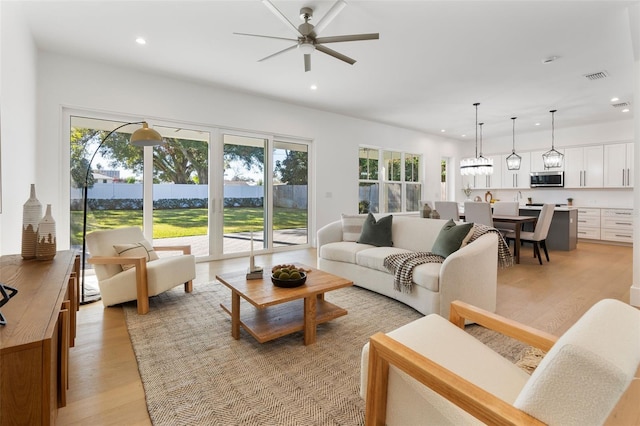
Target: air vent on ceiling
{"points": [[597, 75], [621, 105]]}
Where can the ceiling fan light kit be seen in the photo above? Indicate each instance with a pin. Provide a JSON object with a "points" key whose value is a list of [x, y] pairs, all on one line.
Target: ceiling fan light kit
{"points": [[307, 39], [478, 165], [552, 159]]}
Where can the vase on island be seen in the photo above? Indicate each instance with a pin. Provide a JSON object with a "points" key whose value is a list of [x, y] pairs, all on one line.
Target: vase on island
{"points": [[46, 244], [31, 215]]}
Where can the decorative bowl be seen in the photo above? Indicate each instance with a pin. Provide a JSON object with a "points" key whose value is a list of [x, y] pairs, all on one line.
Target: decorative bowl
{"points": [[289, 283]]}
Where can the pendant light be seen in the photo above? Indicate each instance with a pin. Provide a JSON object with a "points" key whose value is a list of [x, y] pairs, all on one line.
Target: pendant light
{"points": [[514, 160], [477, 165], [552, 159]]}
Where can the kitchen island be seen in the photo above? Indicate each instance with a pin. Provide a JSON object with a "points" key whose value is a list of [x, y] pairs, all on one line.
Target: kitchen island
{"points": [[563, 232]]}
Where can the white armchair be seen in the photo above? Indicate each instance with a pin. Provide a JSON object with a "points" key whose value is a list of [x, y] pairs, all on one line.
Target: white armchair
{"points": [[149, 275], [430, 371]]}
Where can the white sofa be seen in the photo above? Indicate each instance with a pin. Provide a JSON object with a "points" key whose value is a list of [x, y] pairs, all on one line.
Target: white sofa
{"points": [[469, 274]]}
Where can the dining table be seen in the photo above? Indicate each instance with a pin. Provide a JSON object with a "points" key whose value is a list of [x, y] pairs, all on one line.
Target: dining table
{"points": [[519, 221]]}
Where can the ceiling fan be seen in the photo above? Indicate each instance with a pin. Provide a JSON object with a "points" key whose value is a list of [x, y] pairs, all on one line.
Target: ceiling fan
{"points": [[307, 39]]}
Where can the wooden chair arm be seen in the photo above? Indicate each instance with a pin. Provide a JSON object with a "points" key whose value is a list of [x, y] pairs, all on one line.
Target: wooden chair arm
{"points": [[385, 351], [183, 249], [461, 311], [140, 265]]}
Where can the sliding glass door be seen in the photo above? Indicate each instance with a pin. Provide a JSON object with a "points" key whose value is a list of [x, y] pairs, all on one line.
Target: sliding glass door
{"points": [[257, 190]]}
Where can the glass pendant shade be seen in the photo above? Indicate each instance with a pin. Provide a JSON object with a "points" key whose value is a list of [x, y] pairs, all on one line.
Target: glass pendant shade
{"points": [[552, 159], [514, 160], [477, 165]]}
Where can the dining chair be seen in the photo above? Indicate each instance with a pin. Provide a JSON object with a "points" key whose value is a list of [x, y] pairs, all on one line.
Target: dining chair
{"points": [[539, 235], [505, 208], [447, 209], [478, 212]]}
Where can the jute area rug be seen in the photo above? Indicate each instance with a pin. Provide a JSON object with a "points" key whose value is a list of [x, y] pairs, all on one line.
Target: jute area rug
{"points": [[195, 373]]}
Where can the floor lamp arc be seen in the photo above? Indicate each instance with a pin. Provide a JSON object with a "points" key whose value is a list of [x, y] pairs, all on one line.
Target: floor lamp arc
{"points": [[142, 137]]}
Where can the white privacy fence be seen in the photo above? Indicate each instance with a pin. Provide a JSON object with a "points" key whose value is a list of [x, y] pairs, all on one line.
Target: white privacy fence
{"points": [[294, 196]]}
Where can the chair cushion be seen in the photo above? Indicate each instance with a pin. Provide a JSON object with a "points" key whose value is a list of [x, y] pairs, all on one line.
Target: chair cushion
{"points": [[162, 275], [588, 369], [142, 248], [451, 237], [377, 232]]}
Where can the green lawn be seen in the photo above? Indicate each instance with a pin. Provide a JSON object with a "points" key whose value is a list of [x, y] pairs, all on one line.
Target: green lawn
{"points": [[187, 222]]}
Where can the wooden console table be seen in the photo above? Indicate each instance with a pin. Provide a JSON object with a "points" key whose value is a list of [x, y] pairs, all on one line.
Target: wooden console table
{"points": [[34, 344]]}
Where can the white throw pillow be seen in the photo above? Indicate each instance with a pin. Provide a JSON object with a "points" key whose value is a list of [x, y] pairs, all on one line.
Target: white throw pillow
{"points": [[143, 248], [352, 226]]}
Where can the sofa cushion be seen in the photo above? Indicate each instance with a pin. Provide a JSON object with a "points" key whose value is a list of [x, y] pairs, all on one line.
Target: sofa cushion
{"points": [[343, 251], [373, 258], [450, 238], [352, 226], [377, 232], [142, 248], [427, 275]]}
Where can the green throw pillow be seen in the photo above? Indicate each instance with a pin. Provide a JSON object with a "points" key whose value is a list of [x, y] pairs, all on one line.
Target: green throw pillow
{"points": [[450, 238], [376, 233]]}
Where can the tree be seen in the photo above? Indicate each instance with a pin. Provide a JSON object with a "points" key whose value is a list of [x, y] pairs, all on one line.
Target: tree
{"points": [[176, 161], [293, 169]]}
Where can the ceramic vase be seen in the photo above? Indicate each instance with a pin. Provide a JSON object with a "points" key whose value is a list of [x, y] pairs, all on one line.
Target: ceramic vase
{"points": [[434, 214], [31, 215], [46, 244], [425, 212]]}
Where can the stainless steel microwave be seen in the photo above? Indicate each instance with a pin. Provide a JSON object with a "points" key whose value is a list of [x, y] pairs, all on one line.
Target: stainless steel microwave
{"points": [[546, 179]]}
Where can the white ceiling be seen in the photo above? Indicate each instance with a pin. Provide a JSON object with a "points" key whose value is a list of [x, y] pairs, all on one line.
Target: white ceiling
{"points": [[433, 60]]}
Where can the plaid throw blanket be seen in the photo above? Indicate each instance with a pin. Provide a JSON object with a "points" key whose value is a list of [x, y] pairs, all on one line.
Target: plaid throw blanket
{"points": [[402, 264]]}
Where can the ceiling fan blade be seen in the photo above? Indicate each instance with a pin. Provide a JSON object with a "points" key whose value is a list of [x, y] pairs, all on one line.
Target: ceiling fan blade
{"points": [[352, 37], [277, 53], [266, 36], [281, 16], [330, 15], [307, 62], [335, 54]]}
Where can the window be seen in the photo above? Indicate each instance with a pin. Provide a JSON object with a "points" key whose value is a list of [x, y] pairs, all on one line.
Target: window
{"points": [[400, 180]]}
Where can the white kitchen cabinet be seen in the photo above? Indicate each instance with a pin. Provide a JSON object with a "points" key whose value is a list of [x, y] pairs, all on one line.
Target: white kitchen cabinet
{"points": [[617, 225], [493, 180], [518, 179], [538, 166], [584, 167], [588, 223], [618, 165]]}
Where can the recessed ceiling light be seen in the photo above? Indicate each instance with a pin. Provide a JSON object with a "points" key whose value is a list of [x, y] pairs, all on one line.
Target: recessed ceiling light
{"points": [[625, 110], [140, 40], [442, 130], [464, 136], [313, 87], [537, 124], [550, 59], [615, 99]]}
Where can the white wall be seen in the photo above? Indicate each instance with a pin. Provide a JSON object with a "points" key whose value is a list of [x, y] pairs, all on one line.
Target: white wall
{"points": [[69, 82], [18, 109]]}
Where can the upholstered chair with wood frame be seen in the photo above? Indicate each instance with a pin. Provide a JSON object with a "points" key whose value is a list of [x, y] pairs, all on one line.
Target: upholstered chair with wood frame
{"points": [[431, 371], [128, 268]]}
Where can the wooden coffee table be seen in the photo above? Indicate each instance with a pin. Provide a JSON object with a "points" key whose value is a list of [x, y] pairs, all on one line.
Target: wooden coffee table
{"points": [[282, 311]]}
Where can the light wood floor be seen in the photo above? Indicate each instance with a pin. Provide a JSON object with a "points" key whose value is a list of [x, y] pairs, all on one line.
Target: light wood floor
{"points": [[105, 387]]}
